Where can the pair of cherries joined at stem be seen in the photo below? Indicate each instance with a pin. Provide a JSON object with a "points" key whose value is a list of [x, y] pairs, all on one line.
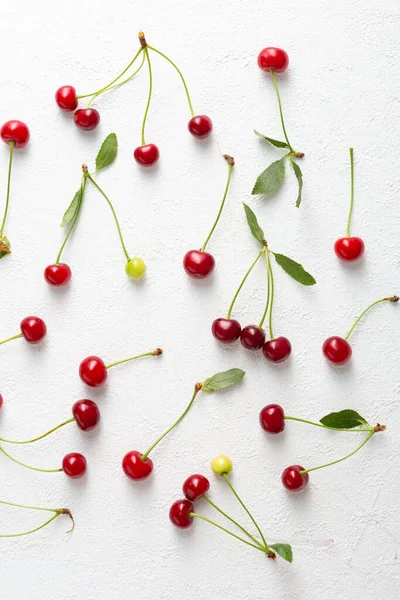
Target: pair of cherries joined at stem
{"points": [[295, 477], [137, 465], [196, 487], [200, 126], [56, 512], [59, 274], [16, 135], [199, 263], [253, 337]]}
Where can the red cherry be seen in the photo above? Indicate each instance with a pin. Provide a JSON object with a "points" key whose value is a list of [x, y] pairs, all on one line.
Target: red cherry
{"points": [[86, 414], [200, 126], [272, 418], [92, 371], [179, 513], [195, 486], [57, 275], [273, 58], [277, 350], [198, 264], [1, 400], [86, 118], [33, 329], [136, 468], [349, 248], [337, 350], [146, 155], [226, 330], [15, 131], [252, 337], [293, 480], [66, 98], [74, 465]]}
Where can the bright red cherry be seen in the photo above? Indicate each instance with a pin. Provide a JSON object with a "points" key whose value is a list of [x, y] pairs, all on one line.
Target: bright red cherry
{"points": [[1, 400], [74, 465], [136, 468], [57, 275], [92, 371], [226, 330], [200, 126], [293, 480], [273, 58], [146, 155], [179, 513], [252, 337], [33, 329], [337, 350], [195, 486], [15, 131], [87, 118], [198, 264], [272, 418], [277, 350], [66, 98], [86, 414], [349, 248]]}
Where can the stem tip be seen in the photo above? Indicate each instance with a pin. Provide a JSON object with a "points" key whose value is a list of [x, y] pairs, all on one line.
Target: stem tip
{"points": [[66, 511], [157, 352], [198, 387], [394, 299], [142, 39], [229, 159], [271, 554], [379, 427], [84, 168], [299, 154]]}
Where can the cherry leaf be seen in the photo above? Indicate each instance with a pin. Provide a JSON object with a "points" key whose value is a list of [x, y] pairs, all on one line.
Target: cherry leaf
{"points": [[107, 152], [344, 419], [72, 209], [294, 269], [255, 228], [222, 380], [284, 551], [270, 180], [275, 143], [299, 177]]}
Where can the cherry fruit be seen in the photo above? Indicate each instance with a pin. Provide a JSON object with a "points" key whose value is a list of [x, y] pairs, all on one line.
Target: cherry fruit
{"points": [[221, 465], [195, 486], [293, 480], [272, 418], [337, 350], [198, 264], [179, 514], [277, 350], [274, 59], [66, 98], [15, 131], [349, 248], [86, 118], [92, 371], [135, 268], [136, 468], [1, 400], [252, 337], [226, 331], [74, 465], [200, 126], [57, 274], [86, 414], [146, 155], [33, 329]]}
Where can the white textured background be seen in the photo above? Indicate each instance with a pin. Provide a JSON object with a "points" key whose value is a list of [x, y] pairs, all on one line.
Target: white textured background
{"points": [[342, 89]]}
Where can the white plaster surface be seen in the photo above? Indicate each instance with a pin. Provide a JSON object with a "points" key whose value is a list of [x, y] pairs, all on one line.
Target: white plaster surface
{"points": [[342, 89]]}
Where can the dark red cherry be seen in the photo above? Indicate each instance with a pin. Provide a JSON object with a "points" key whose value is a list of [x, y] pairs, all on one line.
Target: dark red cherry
{"points": [[66, 98], [86, 414], [74, 465], [179, 513], [272, 418], [349, 248], [277, 350], [198, 264], [226, 330], [146, 155], [92, 371], [15, 131], [33, 329], [293, 480], [252, 337], [1, 400], [86, 118], [337, 350], [136, 468], [57, 274], [195, 486], [273, 58], [200, 126]]}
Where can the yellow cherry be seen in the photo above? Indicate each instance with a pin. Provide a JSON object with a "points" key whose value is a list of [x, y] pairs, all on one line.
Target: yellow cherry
{"points": [[135, 268], [221, 464]]}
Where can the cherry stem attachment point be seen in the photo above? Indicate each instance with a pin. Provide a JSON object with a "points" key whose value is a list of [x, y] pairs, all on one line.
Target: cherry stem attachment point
{"points": [[156, 352], [243, 282], [351, 191], [40, 437], [231, 161], [28, 466], [280, 110], [149, 95], [14, 337], [354, 429], [76, 216], [57, 512], [389, 299], [11, 147]]}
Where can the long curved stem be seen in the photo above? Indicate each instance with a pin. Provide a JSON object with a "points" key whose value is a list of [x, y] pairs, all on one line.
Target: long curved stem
{"points": [[120, 362], [40, 437], [207, 499], [11, 535], [261, 323], [14, 337], [390, 299], [231, 163], [11, 146], [28, 466], [149, 95], [192, 514], [354, 430], [189, 406], [114, 215], [180, 75], [243, 282], [352, 191], [280, 109], [74, 221], [272, 294]]}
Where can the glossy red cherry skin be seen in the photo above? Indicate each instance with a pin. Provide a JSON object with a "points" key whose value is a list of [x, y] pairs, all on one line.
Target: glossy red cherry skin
{"points": [[66, 98], [252, 337], [195, 486], [15, 131], [226, 331], [179, 514], [200, 126], [92, 371], [293, 480], [146, 155], [136, 468], [57, 275], [337, 350], [198, 264], [86, 118], [33, 329], [277, 350], [349, 248], [86, 413], [272, 418], [74, 465], [1, 400], [273, 58]]}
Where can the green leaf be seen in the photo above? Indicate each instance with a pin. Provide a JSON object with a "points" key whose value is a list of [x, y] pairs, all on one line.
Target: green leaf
{"points": [[255, 229], [299, 177], [107, 152], [275, 143], [222, 380], [284, 550], [344, 419], [3, 253], [72, 209], [294, 269], [271, 179]]}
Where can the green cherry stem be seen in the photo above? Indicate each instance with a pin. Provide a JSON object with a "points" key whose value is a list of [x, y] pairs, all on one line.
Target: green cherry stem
{"points": [[156, 352], [40, 437], [197, 389], [231, 161], [272, 294], [280, 110], [207, 499], [14, 337], [351, 192], [243, 282], [149, 95], [389, 299], [28, 466], [114, 215], [57, 512], [354, 430], [267, 303], [11, 146], [76, 216]]}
